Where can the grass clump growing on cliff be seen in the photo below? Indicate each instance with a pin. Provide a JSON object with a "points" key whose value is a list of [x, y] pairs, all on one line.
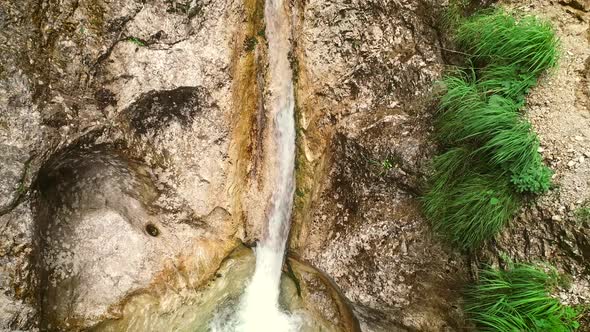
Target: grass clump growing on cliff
{"points": [[468, 117], [495, 130], [498, 37], [492, 156], [518, 299], [467, 203], [508, 81]]}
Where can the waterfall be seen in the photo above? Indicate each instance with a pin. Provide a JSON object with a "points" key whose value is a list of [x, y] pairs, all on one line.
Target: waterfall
{"points": [[259, 309]]}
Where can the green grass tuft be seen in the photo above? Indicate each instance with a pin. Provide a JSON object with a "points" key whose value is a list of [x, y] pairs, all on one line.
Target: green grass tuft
{"points": [[514, 148], [494, 126], [518, 299], [467, 203], [508, 81], [471, 208], [492, 153], [468, 117], [500, 38]]}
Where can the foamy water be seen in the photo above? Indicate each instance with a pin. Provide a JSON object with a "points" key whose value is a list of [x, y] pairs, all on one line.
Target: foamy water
{"points": [[259, 307]]}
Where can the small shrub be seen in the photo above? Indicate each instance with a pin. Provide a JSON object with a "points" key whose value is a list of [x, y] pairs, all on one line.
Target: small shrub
{"points": [[518, 299], [536, 179]]}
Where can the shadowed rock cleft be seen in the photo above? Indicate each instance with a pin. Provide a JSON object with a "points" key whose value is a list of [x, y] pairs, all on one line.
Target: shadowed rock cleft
{"points": [[157, 109]]}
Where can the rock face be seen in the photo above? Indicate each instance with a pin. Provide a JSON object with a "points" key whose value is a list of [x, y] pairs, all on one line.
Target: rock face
{"points": [[133, 137], [100, 230], [366, 74], [118, 153]]}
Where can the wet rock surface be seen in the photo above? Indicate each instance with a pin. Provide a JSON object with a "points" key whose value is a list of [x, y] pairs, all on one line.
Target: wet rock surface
{"points": [[319, 298]]}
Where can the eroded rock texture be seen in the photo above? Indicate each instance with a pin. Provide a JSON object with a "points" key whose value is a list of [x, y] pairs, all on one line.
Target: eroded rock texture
{"points": [[366, 74], [116, 125], [133, 142]]}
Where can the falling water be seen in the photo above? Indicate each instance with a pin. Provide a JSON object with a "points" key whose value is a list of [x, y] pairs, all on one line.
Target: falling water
{"points": [[259, 309]]}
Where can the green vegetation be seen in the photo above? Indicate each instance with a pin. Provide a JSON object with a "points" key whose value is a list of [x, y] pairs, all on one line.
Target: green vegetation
{"points": [[498, 37], [583, 214], [518, 299], [508, 81], [384, 165], [136, 41], [470, 205], [299, 192], [492, 157], [491, 163]]}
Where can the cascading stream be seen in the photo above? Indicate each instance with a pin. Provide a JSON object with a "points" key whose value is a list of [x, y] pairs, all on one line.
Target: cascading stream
{"points": [[259, 309]]}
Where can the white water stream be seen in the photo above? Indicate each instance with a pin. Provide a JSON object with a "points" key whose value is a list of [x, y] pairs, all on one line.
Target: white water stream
{"points": [[259, 308]]}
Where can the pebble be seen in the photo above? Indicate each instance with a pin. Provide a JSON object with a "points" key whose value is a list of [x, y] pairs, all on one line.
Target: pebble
{"points": [[556, 218], [571, 163], [581, 160], [404, 247]]}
